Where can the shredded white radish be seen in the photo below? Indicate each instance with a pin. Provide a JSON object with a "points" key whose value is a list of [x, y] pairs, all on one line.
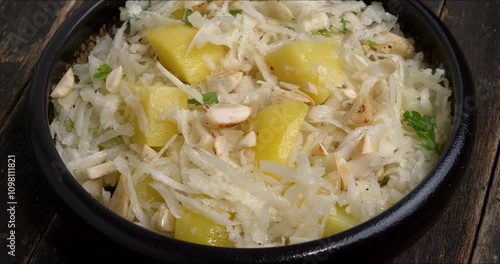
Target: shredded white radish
{"points": [[352, 151]]}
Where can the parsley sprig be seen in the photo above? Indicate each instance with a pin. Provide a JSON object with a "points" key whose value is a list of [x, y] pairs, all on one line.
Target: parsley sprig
{"points": [[425, 127], [103, 72], [234, 12], [344, 24], [208, 98], [186, 15], [322, 32]]}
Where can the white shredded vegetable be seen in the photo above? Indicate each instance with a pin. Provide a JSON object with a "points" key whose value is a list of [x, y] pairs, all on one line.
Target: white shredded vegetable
{"points": [[336, 161]]}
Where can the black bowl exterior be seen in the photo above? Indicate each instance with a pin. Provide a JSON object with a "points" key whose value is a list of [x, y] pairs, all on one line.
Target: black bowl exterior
{"points": [[381, 237]]}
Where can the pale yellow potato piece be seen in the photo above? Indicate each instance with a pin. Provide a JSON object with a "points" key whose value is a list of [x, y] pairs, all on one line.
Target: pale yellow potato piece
{"points": [[196, 228], [171, 43], [154, 99], [277, 127], [339, 222], [300, 62]]}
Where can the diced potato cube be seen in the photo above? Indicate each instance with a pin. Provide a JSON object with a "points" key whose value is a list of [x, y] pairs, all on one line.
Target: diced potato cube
{"points": [[196, 228], [339, 222], [171, 43], [277, 127], [154, 99], [146, 192], [301, 62]]}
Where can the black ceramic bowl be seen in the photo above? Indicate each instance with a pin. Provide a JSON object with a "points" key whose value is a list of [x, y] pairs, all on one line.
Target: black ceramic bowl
{"points": [[382, 237]]}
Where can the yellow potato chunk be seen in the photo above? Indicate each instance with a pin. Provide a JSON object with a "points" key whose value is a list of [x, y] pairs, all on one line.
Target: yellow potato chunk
{"points": [[339, 222], [154, 99], [171, 43], [196, 228], [315, 62], [146, 192], [277, 127]]}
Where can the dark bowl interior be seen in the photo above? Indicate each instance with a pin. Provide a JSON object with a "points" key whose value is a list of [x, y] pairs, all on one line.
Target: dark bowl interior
{"points": [[379, 238]]}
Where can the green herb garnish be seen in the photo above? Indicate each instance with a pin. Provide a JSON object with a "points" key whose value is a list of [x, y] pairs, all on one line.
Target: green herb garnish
{"points": [[149, 5], [425, 127], [71, 123], [344, 24], [208, 98], [103, 72], [322, 32], [371, 42], [234, 12], [77, 78], [186, 15]]}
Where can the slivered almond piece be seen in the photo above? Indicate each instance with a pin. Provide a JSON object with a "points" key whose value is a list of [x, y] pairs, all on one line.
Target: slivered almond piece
{"points": [[100, 170], [361, 112], [248, 141], [114, 79], [310, 88], [278, 10], [147, 153], [395, 45], [165, 220], [343, 169], [319, 150], [65, 85], [280, 96], [120, 201], [227, 80], [226, 115]]}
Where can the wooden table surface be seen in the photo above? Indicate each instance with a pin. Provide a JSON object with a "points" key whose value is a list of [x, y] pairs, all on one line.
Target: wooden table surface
{"points": [[469, 231]]}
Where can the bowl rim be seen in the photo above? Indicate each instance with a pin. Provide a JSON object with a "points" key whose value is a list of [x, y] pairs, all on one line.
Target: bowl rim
{"points": [[151, 244]]}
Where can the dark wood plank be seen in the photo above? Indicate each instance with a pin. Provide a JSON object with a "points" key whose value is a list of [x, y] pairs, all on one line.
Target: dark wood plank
{"points": [[25, 29], [33, 210], [451, 240], [487, 248], [17, 60], [61, 245]]}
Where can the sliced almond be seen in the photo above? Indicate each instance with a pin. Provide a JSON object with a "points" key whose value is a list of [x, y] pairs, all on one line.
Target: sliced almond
{"points": [[65, 85], [289, 86], [248, 141], [280, 96], [395, 44], [147, 153], [165, 220], [278, 10], [319, 150], [334, 178], [343, 169], [348, 93], [100, 170], [226, 115], [310, 88], [226, 80], [361, 112], [114, 79], [219, 145], [120, 201], [94, 187]]}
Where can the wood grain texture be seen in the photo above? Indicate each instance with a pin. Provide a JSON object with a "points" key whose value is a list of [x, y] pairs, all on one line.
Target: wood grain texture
{"points": [[451, 240], [487, 249], [33, 209], [25, 29]]}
